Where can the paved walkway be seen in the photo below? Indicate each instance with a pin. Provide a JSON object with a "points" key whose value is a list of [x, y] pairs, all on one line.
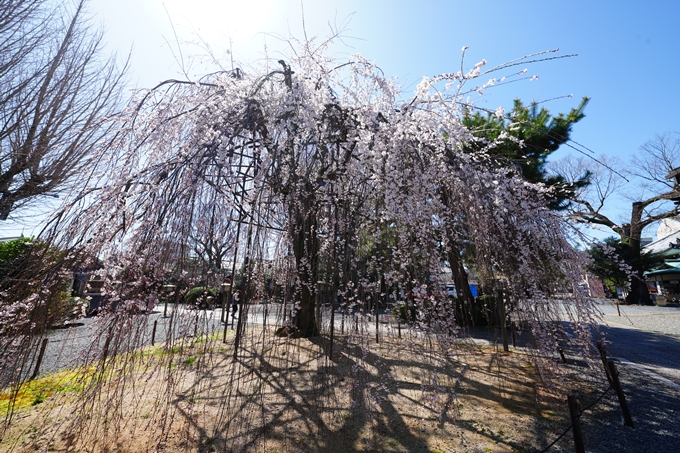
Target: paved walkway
{"points": [[645, 337], [665, 320]]}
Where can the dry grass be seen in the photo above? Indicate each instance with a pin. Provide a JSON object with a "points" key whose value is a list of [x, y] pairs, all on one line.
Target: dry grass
{"points": [[285, 395]]}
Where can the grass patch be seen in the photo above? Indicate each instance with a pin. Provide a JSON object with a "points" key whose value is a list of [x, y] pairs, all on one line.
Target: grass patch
{"points": [[215, 336], [37, 391]]}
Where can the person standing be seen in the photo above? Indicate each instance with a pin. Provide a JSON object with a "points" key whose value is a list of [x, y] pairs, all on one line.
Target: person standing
{"points": [[235, 300]]}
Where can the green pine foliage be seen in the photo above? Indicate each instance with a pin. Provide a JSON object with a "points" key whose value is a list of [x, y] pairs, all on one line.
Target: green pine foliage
{"points": [[608, 266], [525, 138]]}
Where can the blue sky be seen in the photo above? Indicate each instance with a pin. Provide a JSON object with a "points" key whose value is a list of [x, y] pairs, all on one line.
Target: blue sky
{"points": [[628, 52]]}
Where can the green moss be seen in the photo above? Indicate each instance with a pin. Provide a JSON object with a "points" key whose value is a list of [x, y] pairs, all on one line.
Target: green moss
{"points": [[32, 393]]}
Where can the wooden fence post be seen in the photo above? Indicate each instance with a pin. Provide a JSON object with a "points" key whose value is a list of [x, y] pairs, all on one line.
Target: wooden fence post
{"points": [[575, 416], [342, 323], [377, 316], [500, 304], [332, 326], [40, 358], [616, 383], [564, 358], [603, 356], [153, 333], [512, 325]]}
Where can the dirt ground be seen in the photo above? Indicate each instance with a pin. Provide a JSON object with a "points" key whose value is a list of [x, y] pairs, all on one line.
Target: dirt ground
{"points": [[285, 395]]}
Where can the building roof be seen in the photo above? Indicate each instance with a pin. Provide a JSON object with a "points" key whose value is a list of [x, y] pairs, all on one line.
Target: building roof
{"points": [[12, 238], [663, 244], [656, 273]]}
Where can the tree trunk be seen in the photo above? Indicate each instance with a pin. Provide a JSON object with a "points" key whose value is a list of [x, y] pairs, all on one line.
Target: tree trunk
{"points": [[460, 277], [639, 293], [306, 249]]}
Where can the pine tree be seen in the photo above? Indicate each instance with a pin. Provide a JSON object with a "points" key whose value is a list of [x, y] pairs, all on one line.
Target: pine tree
{"points": [[525, 138]]}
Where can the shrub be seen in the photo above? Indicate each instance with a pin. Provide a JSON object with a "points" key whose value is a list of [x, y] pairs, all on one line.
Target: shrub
{"points": [[12, 255], [199, 294], [479, 313], [400, 312], [70, 308], [46, 300]]}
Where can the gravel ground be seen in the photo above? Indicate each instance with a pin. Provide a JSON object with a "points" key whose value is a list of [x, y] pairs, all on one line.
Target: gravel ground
{"points": [[648, 337], [654, 404], [664, 320], [655, 409], [667, 323], [68, 346]]}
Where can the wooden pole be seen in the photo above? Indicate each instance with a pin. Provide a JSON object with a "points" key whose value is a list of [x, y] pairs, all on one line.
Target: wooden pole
{"points": [[168, 334], [575, 416], [501, 311], [167, 290], [377, 314], [342, 323], [378, 283], [285, 304], [245, 294], [233, 281], [225, 303], [266, 313], [603, 356], [40, 358], [241, 218], [318, 322], [334, 275], [559, 349], [153, 332], [332, 326], [616, 383], [512, 326]]}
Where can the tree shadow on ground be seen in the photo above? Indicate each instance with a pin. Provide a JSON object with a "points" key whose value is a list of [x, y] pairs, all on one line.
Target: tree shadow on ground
{"points": [[286, 395], [643, 347]]}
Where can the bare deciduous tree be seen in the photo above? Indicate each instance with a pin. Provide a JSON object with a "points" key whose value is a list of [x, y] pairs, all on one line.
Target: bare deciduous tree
{"points": [[55, 88], [651, 197]]}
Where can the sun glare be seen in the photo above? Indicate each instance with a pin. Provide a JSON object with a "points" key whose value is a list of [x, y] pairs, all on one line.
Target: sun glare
{"points": [[211, 19]]}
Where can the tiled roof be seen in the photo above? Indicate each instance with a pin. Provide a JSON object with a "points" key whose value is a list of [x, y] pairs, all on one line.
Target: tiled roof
{"points": [[662, 244]]}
